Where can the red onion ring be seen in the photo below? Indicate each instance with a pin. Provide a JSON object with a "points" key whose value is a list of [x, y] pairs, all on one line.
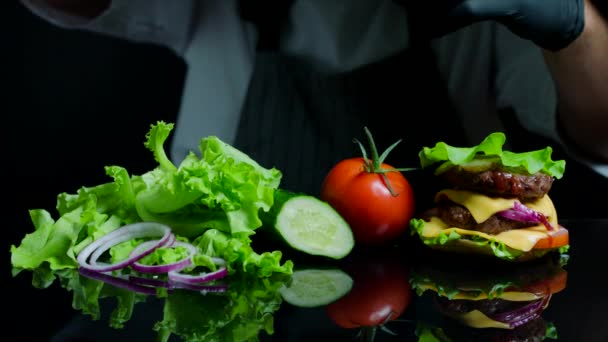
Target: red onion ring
{"points": [[175, 266], [101, 249], [122, 234], [89, 267], [522, 213]]}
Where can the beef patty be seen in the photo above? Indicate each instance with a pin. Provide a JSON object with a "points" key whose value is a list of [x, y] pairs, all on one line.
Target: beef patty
{"points": [[500, 183], [458, 216]]}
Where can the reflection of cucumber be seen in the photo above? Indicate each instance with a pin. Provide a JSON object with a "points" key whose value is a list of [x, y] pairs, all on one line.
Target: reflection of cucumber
{"points": [[309, 225], [316, 287]]}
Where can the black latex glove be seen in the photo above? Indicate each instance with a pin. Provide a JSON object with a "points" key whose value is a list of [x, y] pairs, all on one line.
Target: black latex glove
{"points": [[551, 24]]}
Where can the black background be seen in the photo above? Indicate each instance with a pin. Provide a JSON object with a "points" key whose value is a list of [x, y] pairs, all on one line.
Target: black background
{"points": [[75, 102]]}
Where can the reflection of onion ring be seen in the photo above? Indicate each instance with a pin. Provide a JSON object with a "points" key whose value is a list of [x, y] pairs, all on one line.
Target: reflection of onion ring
{"points": [[524, 314]]}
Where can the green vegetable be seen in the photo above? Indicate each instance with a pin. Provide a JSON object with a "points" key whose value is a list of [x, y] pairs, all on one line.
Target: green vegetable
{"points": [[313, 287], [241, 314], [491, 150], [454, 241], [307, 224], [222, 192], [429, 333], [449, 288]]}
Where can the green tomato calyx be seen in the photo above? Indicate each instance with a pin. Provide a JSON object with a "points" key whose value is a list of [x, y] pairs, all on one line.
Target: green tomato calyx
{"points": [[374, 165]]}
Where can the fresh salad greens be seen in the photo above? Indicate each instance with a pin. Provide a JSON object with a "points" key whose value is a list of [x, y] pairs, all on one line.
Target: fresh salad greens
{"points": [[491, 150], [212, 201]]}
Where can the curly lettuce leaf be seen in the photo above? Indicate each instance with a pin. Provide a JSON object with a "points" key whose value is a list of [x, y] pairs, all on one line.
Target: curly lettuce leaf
{"points": [[491, 148], [53, 245], [224, 190], [239, 255]]}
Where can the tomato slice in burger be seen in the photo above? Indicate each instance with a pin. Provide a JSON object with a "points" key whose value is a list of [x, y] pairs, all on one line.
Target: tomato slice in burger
{"points": [[554, 239]]}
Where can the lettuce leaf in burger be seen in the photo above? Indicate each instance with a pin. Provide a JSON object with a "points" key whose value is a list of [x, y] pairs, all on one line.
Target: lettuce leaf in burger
{"points": [[495, 202]]}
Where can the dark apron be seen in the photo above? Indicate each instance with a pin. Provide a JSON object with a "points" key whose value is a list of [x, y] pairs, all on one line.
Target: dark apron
{"points": [[303, 122]]}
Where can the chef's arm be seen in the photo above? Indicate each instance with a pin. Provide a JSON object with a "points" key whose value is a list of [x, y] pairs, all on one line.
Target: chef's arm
{"points": [[580, 71]]}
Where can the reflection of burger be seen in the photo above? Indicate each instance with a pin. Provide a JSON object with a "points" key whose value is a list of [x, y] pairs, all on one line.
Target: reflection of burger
{"points": [[483, 302], [536, 330], [496, 202]]}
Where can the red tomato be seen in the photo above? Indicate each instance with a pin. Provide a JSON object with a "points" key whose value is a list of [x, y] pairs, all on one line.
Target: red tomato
{"points": [[381, 293], [554, 239], [364, 200]]}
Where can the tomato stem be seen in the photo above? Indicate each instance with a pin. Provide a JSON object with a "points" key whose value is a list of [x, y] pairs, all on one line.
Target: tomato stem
{"points": [[374, 165], [375, 160]]}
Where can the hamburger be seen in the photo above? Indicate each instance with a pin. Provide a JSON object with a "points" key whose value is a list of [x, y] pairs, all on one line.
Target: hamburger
{"points": [[492, 202], [488, 302]]}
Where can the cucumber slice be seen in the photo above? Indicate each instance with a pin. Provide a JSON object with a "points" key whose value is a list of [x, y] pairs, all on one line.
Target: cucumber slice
{"points": [[311, 288], [310, 225]]}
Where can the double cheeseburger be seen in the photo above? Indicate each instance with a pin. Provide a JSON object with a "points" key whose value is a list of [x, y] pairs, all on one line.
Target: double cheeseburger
{"points": [[490, 303], [494, 202]]}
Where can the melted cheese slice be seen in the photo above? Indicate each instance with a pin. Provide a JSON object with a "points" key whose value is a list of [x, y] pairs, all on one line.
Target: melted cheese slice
{"points": [[522, 239], [482, 207], [513, 296]]}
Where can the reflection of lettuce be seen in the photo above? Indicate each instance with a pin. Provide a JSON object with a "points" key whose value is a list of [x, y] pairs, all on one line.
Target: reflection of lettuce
{"points": [[88, 292], [239, 315], [449, 287], [224, 190]]}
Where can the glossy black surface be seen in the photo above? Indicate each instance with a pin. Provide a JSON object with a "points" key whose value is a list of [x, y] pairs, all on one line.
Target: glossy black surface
{"points": [[49, 152], [579, 312]]}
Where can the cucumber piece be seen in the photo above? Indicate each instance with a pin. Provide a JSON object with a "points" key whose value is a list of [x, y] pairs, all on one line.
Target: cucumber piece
{"points": [[310, 225], [311, 288]]}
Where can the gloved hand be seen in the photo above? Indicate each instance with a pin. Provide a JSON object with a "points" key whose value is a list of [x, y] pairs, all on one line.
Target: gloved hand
{"points": [[551, 24]]}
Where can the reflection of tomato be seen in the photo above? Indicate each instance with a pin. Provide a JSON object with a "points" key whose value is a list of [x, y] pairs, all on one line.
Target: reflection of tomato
{"points": [[365, 201], [554, 239], [381, 292], [549, 286]]}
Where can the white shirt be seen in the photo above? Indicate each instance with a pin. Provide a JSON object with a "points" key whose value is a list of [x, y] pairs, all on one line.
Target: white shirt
{"points": [[485, 66]]}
